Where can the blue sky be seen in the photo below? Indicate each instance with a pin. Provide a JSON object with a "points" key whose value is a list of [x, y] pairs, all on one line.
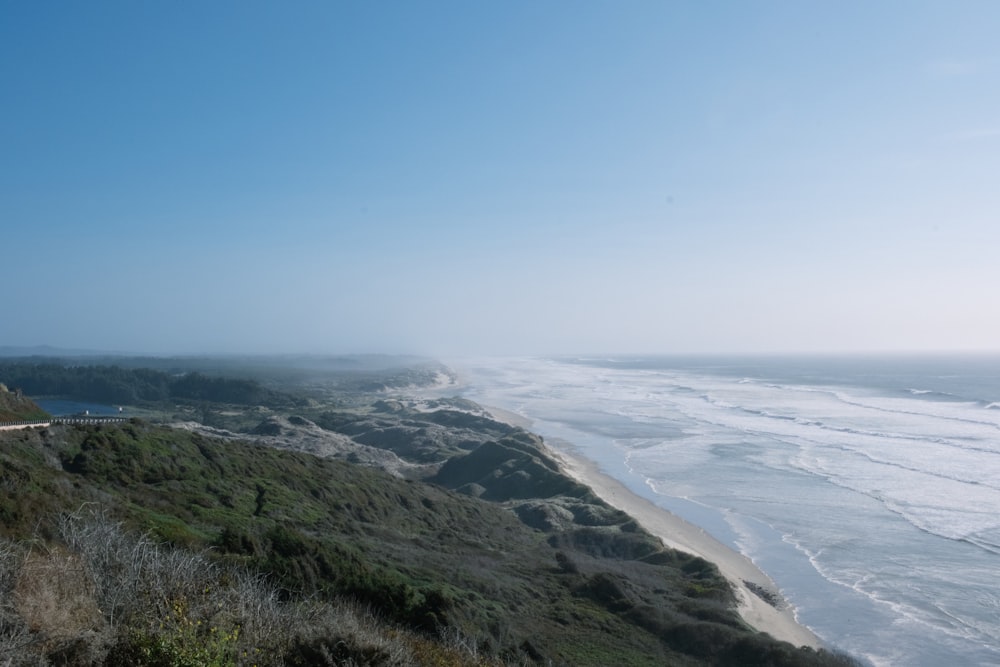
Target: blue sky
{"points": [[515, 177]]}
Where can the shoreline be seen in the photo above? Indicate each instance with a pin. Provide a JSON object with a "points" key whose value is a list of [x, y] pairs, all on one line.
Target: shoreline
{"points": [[759, 602]]}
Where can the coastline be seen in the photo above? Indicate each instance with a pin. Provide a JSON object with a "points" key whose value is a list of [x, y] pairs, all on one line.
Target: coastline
{"points": [[751, 585]]}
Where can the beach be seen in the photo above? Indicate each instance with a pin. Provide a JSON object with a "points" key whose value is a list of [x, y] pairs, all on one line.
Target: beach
{"points": [[864, 487], [760, 603]]}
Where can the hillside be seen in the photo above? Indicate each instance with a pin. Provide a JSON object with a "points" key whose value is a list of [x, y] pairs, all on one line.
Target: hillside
{"points": [[118, 385], [459, 542], [15, 407]]}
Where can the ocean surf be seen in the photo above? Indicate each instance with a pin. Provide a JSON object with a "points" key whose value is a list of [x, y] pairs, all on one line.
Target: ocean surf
{"points": [[867, 488]]}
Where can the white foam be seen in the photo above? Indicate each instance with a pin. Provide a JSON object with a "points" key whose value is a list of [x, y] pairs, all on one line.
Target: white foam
{"points": [[893, 497]]}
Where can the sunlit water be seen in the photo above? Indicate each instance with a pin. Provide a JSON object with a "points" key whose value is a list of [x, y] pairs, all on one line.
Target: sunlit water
{"points": [[869, 489]]}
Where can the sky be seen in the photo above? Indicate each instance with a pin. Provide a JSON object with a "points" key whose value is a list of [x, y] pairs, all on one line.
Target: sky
{"points": [[517, 177]]}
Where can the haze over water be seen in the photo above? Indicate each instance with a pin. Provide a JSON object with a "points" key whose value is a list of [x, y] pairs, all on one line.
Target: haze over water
{"points": [[868, 489]]}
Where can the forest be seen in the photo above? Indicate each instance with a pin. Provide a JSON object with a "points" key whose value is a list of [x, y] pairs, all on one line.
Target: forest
{"points": [[134, 386]]}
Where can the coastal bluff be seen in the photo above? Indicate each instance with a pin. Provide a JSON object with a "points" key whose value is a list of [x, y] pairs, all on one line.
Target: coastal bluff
{"points": [[366, 529], [15, 407]]}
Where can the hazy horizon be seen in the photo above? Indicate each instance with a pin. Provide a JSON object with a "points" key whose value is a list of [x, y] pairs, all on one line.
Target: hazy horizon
{"points": [[457, 179]]}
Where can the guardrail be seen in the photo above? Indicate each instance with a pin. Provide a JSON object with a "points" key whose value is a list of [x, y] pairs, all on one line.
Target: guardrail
{"points": [[89, 420], [28, 423], [25, 423]]}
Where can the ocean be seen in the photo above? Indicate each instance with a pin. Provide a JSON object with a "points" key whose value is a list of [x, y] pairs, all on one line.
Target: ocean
{"points": [[867, 488]]}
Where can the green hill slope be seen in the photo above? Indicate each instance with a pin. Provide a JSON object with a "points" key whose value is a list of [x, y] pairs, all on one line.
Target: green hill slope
{"points": [[15, 407], [592, 590]]}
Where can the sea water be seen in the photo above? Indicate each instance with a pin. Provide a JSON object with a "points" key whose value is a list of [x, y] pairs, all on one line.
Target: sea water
{"points": [[867, 488]]}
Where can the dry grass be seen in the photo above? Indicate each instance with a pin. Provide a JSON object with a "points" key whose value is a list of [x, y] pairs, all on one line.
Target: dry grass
{"points": [[18, 646], [54, 594], [107, 597]]}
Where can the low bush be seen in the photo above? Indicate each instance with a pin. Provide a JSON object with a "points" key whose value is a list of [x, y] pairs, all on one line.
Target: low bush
{"points": [[188, 519]]}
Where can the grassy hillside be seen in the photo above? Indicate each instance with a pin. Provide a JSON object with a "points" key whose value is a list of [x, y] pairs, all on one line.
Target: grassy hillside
{"points": [[15, 407], [551, 576]]}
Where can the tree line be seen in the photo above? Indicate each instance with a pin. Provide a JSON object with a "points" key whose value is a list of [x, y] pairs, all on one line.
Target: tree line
{"points": [[131, 386]]}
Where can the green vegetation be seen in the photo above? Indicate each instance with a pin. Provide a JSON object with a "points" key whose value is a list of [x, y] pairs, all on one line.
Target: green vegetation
{"points": [[133, 386], [426, 560], [234, 380], [137, 543], [104, 596], [14, 407]]}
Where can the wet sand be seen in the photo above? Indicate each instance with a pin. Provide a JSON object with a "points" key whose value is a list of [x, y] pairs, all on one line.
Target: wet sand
{"points": [[760, 603]]}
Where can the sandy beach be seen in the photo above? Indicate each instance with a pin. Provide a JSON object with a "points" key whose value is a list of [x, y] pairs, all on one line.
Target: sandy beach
{"points": [[771, 615]]}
